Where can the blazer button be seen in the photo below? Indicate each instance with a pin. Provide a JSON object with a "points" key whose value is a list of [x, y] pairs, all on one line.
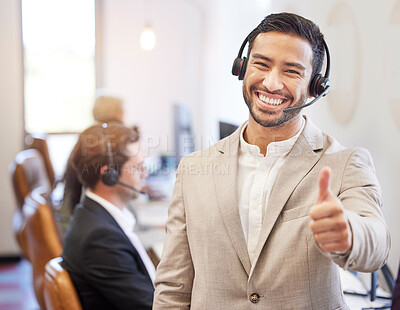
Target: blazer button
{"points": [[254, 298]]}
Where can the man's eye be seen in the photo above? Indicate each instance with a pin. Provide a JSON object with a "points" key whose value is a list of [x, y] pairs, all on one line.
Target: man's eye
{"points": [[261, 64], [293, 72]]}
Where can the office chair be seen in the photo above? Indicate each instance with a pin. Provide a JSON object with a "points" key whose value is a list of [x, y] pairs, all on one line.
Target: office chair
{"points": [[59, 290], [40, 238], [40, 144], [28, 171]]}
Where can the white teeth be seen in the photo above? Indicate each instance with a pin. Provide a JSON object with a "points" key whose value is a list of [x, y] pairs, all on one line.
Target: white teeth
{"points": [[270, 100]]}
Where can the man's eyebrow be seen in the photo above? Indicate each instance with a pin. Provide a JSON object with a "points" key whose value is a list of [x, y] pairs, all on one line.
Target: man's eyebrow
{"points": [[289, 64], [261, 56], [295, 64]]}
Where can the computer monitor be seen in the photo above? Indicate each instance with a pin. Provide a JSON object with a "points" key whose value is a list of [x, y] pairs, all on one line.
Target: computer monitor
{"points": [[225, 129], [183, 132]]}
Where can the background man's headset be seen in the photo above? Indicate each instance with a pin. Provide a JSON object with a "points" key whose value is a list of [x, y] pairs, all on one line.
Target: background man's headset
{"points": [[110, 176], [319, 85]]}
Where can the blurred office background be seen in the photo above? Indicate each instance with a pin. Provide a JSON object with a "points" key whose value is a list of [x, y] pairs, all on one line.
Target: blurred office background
{"points": [[47, 84]]}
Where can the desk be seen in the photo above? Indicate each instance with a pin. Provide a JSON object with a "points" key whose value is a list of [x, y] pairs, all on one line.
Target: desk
{"points": [[152, 215], [351, 283]]}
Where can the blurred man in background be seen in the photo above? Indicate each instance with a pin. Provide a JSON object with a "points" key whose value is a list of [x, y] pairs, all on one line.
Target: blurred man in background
{"points": [[104, 257]]}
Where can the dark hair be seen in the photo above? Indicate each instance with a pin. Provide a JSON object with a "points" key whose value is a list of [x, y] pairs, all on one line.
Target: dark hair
{"points": [[91, 153], [296, 25]]}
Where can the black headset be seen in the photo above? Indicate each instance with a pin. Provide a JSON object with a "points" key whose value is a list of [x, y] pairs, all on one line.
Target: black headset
{"points": [[319, 85], [110, 176]]}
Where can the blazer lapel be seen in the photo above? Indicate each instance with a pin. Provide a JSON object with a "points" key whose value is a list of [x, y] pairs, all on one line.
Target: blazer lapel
{"points": [[300, 160], [226, 189]]}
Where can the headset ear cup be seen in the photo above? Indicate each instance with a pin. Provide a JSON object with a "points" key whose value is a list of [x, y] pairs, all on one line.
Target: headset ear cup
{"points": [[243, 67], [323, 86], [237, 63], [314, 85], [110, 176], [319, 85]]}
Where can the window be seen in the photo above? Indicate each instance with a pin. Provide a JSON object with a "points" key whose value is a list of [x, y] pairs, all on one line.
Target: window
{"points": [[59, 63]]}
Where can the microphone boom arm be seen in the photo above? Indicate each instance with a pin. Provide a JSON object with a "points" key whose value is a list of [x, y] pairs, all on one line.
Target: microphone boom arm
{"points": [[308, 104]]}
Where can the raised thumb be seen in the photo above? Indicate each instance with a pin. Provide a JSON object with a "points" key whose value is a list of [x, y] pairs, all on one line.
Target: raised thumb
{"points": [[323, 182]]}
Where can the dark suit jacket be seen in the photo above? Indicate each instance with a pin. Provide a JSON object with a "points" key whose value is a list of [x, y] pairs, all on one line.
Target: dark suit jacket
{"points": [[396, 293], [104, 266]]}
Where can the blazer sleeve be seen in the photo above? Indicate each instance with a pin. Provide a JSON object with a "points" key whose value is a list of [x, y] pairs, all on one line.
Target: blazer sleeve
{"points": [[360, 195], [112, 269], [175, 272]]}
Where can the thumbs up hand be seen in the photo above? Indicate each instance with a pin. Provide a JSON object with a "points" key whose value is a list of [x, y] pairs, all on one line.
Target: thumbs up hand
{"points": [[328, 222]]}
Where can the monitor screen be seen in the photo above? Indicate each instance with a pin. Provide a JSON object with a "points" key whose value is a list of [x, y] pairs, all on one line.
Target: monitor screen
{"points": [[183, 132], [225, 129]]}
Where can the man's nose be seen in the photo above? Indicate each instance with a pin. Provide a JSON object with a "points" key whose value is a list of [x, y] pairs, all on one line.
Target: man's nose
{"points": [[273, 80]]}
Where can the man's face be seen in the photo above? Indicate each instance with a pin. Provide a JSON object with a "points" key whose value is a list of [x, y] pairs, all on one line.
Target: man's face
{"points": [[133, 172], [277, 77]]}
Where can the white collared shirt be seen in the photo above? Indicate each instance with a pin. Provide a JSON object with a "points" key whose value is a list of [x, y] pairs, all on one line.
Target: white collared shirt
{"points": [[256, 176], [126, 221]]}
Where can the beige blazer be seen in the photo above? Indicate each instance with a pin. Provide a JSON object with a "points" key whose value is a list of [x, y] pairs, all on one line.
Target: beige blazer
{"points": [[205, 263]]}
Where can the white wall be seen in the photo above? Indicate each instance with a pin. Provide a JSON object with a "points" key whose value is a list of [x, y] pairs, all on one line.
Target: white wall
{"points": [[227, 24], [361, 109], [11, 132], [151, 81], [372, 122]]}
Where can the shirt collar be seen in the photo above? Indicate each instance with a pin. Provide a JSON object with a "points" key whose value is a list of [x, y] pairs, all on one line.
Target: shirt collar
{"points": [[279, 148], [124, 218]]}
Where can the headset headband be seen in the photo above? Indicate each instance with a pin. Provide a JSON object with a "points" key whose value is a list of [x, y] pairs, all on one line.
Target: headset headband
{"points": [[246, 40]]}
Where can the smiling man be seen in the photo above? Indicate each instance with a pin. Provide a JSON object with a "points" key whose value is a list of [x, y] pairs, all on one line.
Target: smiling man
{"points": [[293, 205]]}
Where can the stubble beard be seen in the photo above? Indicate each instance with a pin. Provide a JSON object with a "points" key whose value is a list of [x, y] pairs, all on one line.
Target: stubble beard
{"points": [[286, 116]]}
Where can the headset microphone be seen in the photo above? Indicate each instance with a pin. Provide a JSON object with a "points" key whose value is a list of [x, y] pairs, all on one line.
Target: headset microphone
{"points": [[131, 187], [110, 176], [308, 104]]}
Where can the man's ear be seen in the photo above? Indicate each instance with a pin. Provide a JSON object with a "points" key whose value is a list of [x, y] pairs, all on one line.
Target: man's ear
{"points": [[103, 168]]}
